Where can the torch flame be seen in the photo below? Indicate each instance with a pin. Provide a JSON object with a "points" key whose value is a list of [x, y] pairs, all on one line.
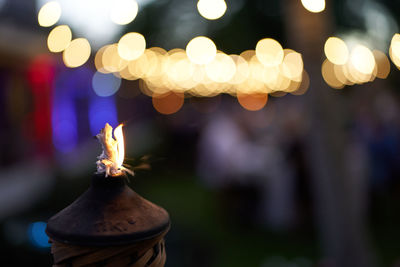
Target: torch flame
{"points": [[111, 159], [120, 145]]}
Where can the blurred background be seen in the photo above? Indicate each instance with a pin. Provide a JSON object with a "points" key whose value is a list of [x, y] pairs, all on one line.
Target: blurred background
{"points": [[270, 130]]}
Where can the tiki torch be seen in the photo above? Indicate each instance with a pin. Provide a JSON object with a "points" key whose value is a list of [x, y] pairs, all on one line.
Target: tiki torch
{"points": [[109, 224]]}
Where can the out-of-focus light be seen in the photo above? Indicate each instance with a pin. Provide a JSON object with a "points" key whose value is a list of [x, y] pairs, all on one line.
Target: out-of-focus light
{"points": [[179, 68], [382, 63], [49, 14], [59, 38], [269, 52], [221, 69], [305, 84], [64, 124], [65, 136], [292, 65], [339, 72], [168, 103], [131, 46], [394, 50], [362, 59], [201, 50], [314, 6], [328, 74], [111, 60], [242, 70], [336, 51], [77, 53], [37, 234], [105, 84], [211, 9], [102, 110], [252, 102], [124, 11], [98, 59]]}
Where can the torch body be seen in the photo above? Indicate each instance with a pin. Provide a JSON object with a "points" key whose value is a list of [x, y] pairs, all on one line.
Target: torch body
{"points": [[109, 225]]}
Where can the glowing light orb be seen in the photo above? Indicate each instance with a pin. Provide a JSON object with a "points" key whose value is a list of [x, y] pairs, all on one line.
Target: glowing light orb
{"points": [[362, 59], [221, 69], [37, 234], [252, 102], [336, 51], [382, 63], [112, 62], [168, 103], [105, 84], [59, 38], [269, 52], [314, 6], [201, 50], [211, 9], [394, 50], [328, 73], [124, 11], [131, 46], [49, 14], [293, 66], [77, 53]]}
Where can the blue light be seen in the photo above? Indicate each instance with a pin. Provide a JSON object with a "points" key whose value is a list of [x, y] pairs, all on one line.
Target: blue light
{"points": [[37, 235], [64, 124], [102, 110], [105, 84]]}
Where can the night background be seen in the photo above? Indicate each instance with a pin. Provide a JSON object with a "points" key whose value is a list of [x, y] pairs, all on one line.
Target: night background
{"points": [[263, 157]]}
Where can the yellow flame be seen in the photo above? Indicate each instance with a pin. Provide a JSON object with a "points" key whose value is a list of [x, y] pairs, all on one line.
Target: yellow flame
{"points": [[119, 137]]}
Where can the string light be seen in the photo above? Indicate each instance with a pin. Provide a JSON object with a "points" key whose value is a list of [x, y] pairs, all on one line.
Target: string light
{"points": [[49, 14], [77, 53], [314, 6], [124, 11], [211, 9], [59, 38], [201, 50], [131, 46]]}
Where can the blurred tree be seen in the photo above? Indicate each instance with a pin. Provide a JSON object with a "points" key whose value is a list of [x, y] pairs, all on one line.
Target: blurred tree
{"points": [[339, 212]]}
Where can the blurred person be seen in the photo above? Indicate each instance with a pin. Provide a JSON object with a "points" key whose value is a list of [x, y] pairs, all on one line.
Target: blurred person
{"points": [[239, 152]]}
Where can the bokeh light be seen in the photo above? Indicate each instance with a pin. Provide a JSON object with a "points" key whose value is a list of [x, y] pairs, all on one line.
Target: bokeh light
{"points": [[211, 9], [394, 50], [123, 11], [131, 46], [292, 65], [362, 59], [382, 63], [328, 74], [77, 53], [221, 69], [269, 52], [37, 235], [314, 6], [102, 110], [201, 50], [105, 84], [98, 60], [168, 103], [111, 60], [252, 102], [49, 14], [59, 38], [336, 51], [304, 85]]}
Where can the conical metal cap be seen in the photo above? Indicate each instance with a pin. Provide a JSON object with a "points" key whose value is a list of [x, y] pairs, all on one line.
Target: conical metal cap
{"points": [[108, 213]]}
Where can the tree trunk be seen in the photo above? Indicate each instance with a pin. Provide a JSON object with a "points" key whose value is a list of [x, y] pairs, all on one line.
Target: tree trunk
{"points": [[338, 209]]}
